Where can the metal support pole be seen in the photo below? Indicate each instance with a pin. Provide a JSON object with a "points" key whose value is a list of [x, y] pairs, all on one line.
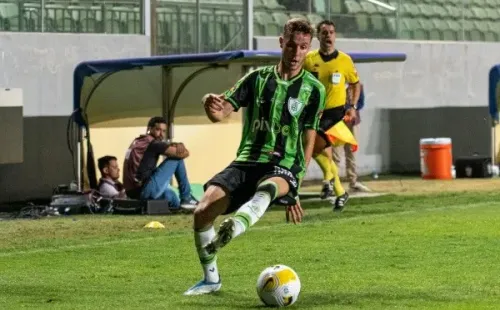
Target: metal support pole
{"points": [[79, 148], [43, 15], [463, 20], [153, 25], [166, 97], [248, 23], [146, 17], [494, 143], [198, 26], [398, 19]]}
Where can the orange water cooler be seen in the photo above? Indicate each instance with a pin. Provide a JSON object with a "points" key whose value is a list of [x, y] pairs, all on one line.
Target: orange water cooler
{"points": [[436, 158]]}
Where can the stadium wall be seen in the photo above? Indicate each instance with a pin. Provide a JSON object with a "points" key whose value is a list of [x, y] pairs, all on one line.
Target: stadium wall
{"points": [[440, 90], [42, 66], [212, 146]]}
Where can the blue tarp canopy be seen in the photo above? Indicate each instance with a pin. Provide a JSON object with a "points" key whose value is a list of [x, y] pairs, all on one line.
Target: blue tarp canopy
{"points": [[122, 94], [494, 92]]}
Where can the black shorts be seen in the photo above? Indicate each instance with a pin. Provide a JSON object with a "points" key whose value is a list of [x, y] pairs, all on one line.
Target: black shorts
{"points": [[240, 180], [329, 118]]}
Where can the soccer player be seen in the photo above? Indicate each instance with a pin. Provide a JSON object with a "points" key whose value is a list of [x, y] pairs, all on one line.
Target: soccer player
{"points": [[283, 107], [334, 69]]}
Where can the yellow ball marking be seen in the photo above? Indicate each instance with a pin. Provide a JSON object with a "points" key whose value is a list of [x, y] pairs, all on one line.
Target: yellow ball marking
{"points": [[285, 276]]}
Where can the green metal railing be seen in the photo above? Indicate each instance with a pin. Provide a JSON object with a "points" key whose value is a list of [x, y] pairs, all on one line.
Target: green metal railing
{"points": [[221, 21], [114, 17]]}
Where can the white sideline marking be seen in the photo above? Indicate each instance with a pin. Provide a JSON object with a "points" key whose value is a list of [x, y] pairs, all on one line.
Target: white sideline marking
{"points": [[313, 196], [133, 240]]}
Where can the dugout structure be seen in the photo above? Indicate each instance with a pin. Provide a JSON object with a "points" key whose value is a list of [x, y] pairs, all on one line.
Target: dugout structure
{"points": [[113, 99]]}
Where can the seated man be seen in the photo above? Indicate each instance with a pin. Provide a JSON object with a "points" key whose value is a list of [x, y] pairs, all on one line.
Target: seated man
{"points": [[144, 181], [109, 186]]}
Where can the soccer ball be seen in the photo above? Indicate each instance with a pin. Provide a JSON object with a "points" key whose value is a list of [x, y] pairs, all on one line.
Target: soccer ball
{"points": [[278, 286]]}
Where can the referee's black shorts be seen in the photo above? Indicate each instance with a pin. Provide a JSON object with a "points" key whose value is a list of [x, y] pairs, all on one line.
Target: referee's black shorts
{"points": [[329, 119]]}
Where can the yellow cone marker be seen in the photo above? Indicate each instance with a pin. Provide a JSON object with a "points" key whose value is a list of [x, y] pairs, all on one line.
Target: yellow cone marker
{"points": [[154, 224]]}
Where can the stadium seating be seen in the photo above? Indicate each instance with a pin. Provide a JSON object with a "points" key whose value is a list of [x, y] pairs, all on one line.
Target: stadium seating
{"points": [[71, 16], [221, 20]]}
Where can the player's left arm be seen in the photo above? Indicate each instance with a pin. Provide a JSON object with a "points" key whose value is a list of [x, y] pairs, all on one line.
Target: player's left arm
{"points": [[352, 78]]}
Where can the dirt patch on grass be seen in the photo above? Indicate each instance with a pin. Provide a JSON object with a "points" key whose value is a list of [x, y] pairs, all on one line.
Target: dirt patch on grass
{"points": [[410, 186]]}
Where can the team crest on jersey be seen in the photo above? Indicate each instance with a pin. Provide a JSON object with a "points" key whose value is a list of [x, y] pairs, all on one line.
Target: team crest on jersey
{"points": [[306, 88], [294, 106]]}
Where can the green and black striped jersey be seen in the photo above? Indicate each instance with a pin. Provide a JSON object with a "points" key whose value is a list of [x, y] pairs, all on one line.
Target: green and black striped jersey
{"points": [[276, 115]]}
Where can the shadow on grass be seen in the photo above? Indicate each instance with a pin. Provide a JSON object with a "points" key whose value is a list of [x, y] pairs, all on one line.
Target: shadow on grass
{"points": [[308, 299], [368, 299]]}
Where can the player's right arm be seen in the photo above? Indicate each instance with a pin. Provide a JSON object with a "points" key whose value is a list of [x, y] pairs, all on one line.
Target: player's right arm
{"points": [[218, 107]]}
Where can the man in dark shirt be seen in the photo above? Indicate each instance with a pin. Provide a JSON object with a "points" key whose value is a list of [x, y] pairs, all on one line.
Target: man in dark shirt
{"points": [[144, 180]]}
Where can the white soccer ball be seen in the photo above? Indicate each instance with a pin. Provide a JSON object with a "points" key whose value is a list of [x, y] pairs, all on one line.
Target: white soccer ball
{"points": [[278, 286]]}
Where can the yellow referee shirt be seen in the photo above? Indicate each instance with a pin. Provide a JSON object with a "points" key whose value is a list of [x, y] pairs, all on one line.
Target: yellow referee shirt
{"points": [[334, 72]]}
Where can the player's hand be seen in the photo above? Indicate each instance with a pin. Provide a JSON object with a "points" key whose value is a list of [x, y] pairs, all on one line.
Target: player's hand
{"points": [[350, 116], [294, 212], [213, 102]]}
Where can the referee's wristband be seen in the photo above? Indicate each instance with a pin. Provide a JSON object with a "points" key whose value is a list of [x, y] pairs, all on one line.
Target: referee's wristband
{"points": [[352, 107]]}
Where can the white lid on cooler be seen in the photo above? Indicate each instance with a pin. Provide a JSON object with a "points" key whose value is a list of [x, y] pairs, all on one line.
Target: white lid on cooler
{"points": [[427, 141]]}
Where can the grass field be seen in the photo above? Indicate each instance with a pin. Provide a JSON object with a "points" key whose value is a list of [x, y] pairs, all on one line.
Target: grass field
{"points": [[427, 245]]}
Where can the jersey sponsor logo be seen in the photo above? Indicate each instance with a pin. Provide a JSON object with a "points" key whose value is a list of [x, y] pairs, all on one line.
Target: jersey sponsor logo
{"points": [[295, 106], [336, 78], [265, 125]]}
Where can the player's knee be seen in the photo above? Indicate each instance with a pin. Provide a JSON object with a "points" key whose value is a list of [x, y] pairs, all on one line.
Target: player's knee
{"points": [[198, 213], [269, 187], [211, 205], [319, 146], [201, 215], [280, 186]]}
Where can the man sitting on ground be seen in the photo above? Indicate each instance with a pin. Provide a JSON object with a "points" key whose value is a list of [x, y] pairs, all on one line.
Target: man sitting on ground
{"points": [[145, 181], [109, 186]]}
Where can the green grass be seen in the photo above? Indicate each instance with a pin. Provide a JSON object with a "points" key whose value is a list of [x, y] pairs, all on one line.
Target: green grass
{"points": [[420, 252]]}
